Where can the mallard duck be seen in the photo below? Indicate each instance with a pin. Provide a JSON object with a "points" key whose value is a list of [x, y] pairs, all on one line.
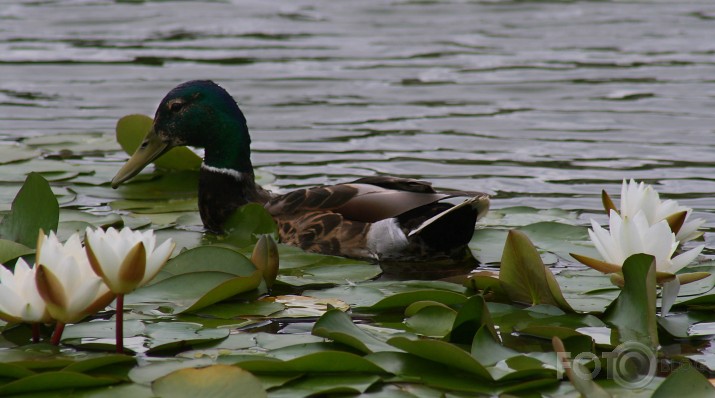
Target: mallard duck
{"points": [[378, 218]]}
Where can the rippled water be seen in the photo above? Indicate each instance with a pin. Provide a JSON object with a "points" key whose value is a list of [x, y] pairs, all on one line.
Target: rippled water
{"points": [[539, 103]]}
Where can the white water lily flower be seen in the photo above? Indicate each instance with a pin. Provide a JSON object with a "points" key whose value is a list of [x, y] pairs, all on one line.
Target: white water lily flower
{"points": [[126, 259], [633, 235], [637, 197], [65, 280], [19, 299]]}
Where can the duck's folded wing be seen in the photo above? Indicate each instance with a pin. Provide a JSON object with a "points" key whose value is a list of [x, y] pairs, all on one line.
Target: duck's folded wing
{"points": [[355, 201]]}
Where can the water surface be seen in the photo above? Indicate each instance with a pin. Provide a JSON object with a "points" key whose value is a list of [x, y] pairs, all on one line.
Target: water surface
{"points": [[538, 103]]}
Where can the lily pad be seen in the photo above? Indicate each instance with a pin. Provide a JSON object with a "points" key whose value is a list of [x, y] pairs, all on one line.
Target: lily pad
{"points": [[14, 152], [212, 381], [207, 258], [524, 276], [443, 353], [431, 320], [261, 308], [192, 291], [73, 144], [53, 381], [10, 250], [338, 326], [685, 379], [169, 336], [327, 385], [319, 362], [35, 208], [633, 312]]}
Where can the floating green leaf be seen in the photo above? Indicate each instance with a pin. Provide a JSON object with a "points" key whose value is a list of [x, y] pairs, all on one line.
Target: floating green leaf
{"points": [[685, 379], [319, 362], [192, 291], [524, 276], [338, 326], [205, 259], [14, 152], [247, 223], [214, 381], [578, 374], [327, 385], [471, 317], [633, 312], [399, 300], [443, 353], [234, 310], [35, 208], [10, 250], [430, 319], [53, 381]]}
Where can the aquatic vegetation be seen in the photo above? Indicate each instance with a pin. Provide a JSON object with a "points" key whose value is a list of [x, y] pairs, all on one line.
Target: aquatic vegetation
{"points": [[206, 320]]}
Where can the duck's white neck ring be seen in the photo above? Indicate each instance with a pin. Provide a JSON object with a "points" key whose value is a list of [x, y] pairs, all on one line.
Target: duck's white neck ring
{"points": [[230, 172]]}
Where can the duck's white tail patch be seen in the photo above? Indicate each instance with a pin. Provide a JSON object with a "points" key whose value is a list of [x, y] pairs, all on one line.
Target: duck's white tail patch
{"points": [[481, 203], [386, 237]]}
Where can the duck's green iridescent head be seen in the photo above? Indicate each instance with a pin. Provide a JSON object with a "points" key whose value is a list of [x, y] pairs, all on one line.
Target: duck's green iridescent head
{"points": [[198, 113]]}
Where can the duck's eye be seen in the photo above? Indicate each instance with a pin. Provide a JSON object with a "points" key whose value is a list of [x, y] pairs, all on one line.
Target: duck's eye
{"points": [[176, 106]]}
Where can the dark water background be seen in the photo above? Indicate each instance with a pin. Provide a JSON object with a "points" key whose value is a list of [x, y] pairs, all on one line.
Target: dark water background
{"points": [[539, 103]]}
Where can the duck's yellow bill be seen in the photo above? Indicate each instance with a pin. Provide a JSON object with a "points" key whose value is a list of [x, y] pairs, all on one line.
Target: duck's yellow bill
{"points": [[151, 148]]}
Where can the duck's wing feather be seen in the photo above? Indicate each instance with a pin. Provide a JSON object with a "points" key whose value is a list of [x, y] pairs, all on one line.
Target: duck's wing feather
{"points": [[367, 200]]}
